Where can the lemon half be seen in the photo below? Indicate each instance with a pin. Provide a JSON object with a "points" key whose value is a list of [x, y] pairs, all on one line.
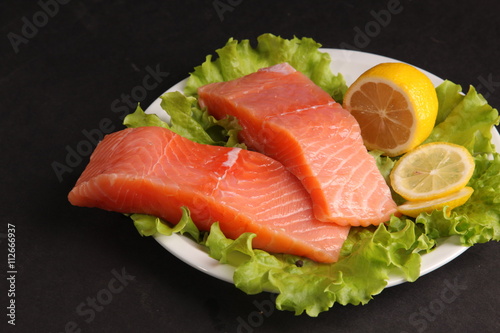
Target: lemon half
{"points": [[395, 105]]}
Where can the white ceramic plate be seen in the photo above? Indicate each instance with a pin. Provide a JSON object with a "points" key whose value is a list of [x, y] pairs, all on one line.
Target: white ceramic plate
{"points": [[351, 64]]}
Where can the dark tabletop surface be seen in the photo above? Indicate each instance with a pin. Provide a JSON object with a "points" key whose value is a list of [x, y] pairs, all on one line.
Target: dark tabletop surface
{"points": [[67, 65]]}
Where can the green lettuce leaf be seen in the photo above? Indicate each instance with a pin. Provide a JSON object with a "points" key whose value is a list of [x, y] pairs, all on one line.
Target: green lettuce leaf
{"points": [[369, 256], [464, 120], [237, 59], [148, 225], [189, 121], [139, 118], [449, 96]]}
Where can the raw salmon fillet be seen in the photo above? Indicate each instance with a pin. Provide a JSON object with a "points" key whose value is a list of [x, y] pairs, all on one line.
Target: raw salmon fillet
{"points": [[151, 170], [286, 116]]}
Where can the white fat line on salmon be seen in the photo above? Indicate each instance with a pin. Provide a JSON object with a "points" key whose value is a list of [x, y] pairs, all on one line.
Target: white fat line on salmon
{"points": [[340, 195], [284, 217], [232, 157], [313, 107], [368, 194], [325, 152], [339, 165]]}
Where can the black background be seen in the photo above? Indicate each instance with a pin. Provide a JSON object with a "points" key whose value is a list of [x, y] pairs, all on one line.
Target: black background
{"points": [[65, 76]]}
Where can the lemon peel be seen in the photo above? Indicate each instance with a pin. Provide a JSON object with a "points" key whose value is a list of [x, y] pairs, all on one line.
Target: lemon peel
{"points": [[395, 105], [453, 200]]}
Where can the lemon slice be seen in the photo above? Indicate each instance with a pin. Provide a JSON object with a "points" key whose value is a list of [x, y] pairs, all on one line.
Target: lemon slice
{"points": [[432, 171], [395, 105], [414, 208]]}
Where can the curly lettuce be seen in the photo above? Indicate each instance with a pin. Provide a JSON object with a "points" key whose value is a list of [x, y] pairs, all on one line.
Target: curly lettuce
{"points": [[368, 257], [239, 58], [465, 120], [190, 121]]}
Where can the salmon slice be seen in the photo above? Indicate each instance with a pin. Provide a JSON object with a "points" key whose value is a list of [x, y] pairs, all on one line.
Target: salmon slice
{"points": [[286, 116], [151, 170]]}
